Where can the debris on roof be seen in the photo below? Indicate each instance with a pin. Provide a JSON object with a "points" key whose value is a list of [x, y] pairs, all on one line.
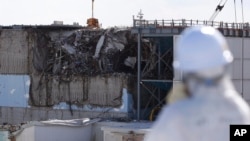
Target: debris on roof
{"points": [[83, 66]]}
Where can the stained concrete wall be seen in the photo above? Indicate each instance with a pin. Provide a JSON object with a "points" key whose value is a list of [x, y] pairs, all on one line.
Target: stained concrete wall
{"points": [[14, 107], [105, 90], [16, 115], [14, 51], [16, 57]]}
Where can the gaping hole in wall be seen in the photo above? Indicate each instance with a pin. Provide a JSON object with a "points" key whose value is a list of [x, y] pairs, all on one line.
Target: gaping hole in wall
{"points": [[83, 66]]}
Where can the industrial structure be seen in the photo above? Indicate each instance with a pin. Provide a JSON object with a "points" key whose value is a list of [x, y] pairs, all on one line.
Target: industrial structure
{"points": [[166, 32], [80, 75], [76, 66], [70, 71]]}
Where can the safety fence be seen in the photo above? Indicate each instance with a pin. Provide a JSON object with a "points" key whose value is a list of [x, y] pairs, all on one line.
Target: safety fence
{"points": [[186, 23]]}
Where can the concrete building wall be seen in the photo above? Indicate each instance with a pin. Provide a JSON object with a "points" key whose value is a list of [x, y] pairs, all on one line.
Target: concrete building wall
{"points": [[18, 72], [14, 51], [55, 133], [17, 115], [240, 48]]}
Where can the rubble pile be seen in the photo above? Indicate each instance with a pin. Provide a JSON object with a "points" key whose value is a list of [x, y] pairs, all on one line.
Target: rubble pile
{"points": [[84, 67], [106, 51], [11, 128]]}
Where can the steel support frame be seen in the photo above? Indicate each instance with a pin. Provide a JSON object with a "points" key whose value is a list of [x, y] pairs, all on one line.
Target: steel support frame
{"points": [[141, 81]]}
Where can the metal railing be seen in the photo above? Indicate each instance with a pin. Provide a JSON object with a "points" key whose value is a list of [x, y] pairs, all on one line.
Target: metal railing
{"points": [[186, 23]]}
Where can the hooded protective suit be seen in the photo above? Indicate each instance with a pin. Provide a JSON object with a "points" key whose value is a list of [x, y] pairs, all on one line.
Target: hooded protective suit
{"points": [[212, 103]]}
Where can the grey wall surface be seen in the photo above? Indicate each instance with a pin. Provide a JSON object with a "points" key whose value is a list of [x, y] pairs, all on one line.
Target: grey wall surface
{"points": [[14, 51], [240, 48], [17, 115], [15, 109]]}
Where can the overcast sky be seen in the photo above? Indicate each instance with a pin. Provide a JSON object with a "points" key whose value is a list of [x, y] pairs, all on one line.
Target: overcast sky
{"points": [[115, 12]]}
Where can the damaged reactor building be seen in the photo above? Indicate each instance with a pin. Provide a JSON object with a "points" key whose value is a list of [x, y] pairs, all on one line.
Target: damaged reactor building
{"points": [[75, 71]]}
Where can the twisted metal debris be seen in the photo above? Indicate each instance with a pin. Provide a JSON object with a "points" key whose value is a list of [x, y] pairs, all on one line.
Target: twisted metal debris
{"points": [[69, 66], [83, 53]]}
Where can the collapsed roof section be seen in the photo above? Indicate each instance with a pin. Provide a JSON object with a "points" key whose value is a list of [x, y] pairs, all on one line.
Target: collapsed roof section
{"points": [[83, 66], [86, 52], [77, 66]]}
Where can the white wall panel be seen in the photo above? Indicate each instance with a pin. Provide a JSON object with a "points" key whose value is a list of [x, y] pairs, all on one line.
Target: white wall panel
{"points": [[177, 74], [247, 48], [246, 67], [238, 86], [236, 69], [235, 45], [246, 90]]}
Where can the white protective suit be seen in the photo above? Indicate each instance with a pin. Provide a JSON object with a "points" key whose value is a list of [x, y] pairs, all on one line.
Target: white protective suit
{"points": [[205, 116], [212, 106]]}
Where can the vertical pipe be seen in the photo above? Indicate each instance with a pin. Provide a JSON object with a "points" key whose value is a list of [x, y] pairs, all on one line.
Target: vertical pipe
{"points": [[159, 65], [242, 56], [92, 8], [242, 64], [235, 15], [139, 74], [242, 12], [159, 58]]}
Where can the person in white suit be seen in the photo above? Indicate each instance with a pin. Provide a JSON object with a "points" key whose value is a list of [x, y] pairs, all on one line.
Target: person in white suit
{"points": [[212, 104]]}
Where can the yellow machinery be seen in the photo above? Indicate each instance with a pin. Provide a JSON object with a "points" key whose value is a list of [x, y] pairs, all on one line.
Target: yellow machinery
{"points": [[93, 22]]}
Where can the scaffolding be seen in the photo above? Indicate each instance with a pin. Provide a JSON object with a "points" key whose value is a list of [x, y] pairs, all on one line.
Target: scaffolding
{"points": [[159, 84]]}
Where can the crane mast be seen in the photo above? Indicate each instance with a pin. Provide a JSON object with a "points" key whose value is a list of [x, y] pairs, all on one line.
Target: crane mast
{"points": [[92, 22], [218, 8]]}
